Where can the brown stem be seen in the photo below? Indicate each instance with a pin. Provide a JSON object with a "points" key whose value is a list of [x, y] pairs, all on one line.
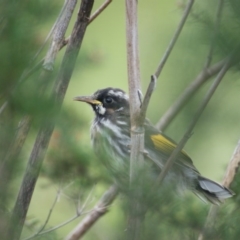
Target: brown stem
{"points": [[202, 77], [188, 133], [98, 211], [146, 99], [174, 39]]}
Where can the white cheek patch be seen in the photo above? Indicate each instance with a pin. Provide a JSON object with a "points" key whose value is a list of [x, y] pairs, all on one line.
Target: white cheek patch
{"points": [[100, 109]]}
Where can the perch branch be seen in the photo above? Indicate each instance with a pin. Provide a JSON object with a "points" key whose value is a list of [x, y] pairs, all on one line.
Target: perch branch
{"points": [[174, 39], [202, 77]]}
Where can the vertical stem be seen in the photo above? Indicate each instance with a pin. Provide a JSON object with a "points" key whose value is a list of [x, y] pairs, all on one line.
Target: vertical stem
{"points": [[137, 131]]}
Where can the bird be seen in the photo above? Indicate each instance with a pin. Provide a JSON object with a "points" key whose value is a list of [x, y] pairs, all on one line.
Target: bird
{"points": [[111, 140]]}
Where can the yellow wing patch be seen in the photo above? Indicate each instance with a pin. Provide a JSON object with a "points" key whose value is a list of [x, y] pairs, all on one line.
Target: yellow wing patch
{"points": [[165, 145]]}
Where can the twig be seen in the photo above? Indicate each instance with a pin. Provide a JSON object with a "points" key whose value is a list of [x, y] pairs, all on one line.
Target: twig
{"points": [[188, 133], [48, 216], [85, 203], [174, 39], [42, 140], [78, 214], [202, 77], [98, 211], [146, 99], [99, 10], [231, 171], [51, 31]]}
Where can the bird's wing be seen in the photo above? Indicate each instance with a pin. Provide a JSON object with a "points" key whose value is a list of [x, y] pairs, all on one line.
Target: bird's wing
{"points": [[165, 145]]}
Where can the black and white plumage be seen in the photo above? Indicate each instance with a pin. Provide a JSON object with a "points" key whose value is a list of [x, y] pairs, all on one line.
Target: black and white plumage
{"points": [[110, 134]]}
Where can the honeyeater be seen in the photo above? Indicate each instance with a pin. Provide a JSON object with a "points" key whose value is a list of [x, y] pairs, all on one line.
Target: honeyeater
{"points": [[110, 135]]}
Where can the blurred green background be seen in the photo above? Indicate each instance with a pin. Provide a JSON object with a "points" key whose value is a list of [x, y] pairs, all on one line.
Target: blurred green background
{"points": [[102, 63]]}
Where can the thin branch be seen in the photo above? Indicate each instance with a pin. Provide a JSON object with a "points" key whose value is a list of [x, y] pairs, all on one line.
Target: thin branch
{"points": [[50, 211], [85, 202], [206, 74], [202, 77], [58, 226], [98, 211], [99, 10], [174, 39], [231, 171], [77, 215], [146, 99], [49, 34], [58, 34], [188, 133], [45, 132], [48, 216]]}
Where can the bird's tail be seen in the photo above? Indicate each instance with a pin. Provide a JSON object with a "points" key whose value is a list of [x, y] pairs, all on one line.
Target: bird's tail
{"points": [[212, 191]]}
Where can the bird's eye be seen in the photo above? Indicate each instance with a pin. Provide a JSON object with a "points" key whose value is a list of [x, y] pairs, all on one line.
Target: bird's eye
{"points": [[108, 100]]}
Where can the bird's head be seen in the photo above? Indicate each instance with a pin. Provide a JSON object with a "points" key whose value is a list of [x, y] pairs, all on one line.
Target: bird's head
{"points": [[107, 102]]}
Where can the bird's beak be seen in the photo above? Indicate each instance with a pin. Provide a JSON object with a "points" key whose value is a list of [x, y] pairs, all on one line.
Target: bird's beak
{"points": [[87, 99]]}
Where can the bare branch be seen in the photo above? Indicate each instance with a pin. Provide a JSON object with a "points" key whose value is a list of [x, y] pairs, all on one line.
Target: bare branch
{"points": [[98, 211], [206, 74], [58, 34], [48, 216], [146, 99], [202, 77], [188, 133], [99, 10], [174, 39], [50, 33], [42, 140]]}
